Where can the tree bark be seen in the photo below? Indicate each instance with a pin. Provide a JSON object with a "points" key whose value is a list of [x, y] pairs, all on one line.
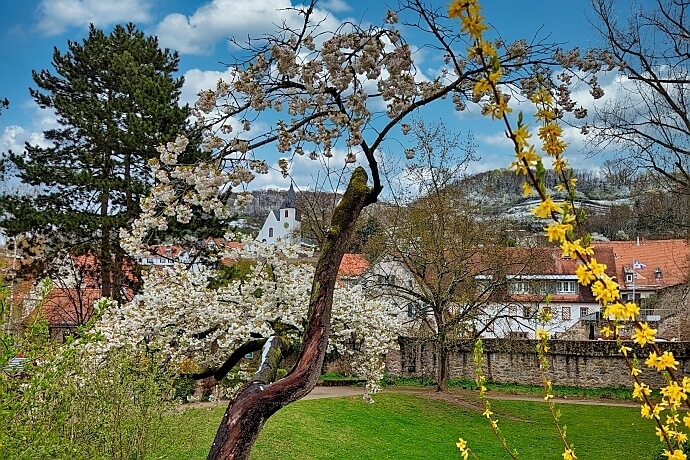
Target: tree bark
{"points": [[442, 367], [257, 400]]}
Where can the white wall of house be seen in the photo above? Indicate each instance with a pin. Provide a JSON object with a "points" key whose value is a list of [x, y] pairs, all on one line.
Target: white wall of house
{"points": [[521, 322]]}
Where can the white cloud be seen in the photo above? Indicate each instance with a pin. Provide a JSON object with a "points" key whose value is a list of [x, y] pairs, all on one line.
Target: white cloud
{"points": [[55, 16], [335, 5], [320, 174], [221, 19], [43, 119], [197, 80], [13, 139], [495, 140]]}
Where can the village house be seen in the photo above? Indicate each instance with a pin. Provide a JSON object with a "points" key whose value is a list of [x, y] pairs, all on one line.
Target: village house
{"points": [[69, 303], [645, 268], [379, 280], [545, 280], [548, 283], [644, 271]]}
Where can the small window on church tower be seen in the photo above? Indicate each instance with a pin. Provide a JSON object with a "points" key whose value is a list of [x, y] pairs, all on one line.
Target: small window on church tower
{"points": [[270, 232], [286, 213]]}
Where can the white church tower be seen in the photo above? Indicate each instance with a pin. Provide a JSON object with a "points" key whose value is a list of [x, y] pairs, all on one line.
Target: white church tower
{"points": [[282, 223]]}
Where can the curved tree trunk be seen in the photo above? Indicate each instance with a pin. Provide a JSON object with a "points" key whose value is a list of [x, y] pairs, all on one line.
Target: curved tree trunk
{"points": [[257, 400]]}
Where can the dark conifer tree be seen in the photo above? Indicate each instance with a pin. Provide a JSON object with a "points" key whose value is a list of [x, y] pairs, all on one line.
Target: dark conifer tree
{"points": [[116, 99]]}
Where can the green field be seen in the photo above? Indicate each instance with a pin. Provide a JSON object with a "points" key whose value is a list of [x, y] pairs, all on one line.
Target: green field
{"points": [[407, 426]]}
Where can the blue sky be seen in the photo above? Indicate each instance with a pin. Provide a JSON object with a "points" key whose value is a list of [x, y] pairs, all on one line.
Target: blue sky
{"points": [[199, 31]]}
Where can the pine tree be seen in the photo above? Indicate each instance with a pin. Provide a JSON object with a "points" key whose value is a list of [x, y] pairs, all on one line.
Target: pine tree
{"points": [[116, 99]]}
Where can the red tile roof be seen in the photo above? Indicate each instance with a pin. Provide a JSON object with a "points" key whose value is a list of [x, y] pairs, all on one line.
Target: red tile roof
{"points": [[353, 265], [70, 306], [666, 262]]}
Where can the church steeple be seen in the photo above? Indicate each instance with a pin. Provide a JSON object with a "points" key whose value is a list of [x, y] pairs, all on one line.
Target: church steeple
{"points": [[291, 200]]}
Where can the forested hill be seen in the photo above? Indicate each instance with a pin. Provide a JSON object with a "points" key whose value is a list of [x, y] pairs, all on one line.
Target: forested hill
{"points": [[503, 187], [617, 205]]}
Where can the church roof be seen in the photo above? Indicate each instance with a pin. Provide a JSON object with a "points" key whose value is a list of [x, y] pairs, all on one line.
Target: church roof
{"points": [[291, 200]]}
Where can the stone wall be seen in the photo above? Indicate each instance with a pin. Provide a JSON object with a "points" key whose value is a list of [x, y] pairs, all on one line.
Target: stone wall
{"points": [[576, 363]]}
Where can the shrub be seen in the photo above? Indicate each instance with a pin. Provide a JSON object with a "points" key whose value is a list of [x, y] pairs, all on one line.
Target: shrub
{"points": [[72, 403]]}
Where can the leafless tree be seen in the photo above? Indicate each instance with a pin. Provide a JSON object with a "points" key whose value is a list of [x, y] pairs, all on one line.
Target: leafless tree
{"points": [[647, 120], [441, 262]]}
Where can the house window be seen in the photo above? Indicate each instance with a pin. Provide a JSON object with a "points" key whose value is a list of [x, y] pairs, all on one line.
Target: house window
{"points": [[520, 287], [584, 311], [565, 313], [547, 311], [410, 310], [512, 310], [567, 287], [628, 277], [630, 298], [270, 232], [528, 311], [286, 213]]}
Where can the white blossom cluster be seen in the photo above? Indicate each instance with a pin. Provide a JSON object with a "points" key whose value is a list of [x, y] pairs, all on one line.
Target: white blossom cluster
{"points": [[351, 86], [178, 313], [363, 330]]}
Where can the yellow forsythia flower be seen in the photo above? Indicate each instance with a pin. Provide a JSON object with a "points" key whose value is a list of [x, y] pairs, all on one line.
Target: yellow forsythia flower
{"points": [[666, 360], [584, 274], [631, 310], [482, 87], [473, 24], [641, 390], [646, 411], [557, 231], [605, 290], [542, 96], [521, 135], [546, 207], [643, 335], [485, 48], [675, 455], [674, 394], [569, 455]]}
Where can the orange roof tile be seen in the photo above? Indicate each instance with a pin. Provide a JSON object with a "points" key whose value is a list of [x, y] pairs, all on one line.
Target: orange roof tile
{"points": [[353, 265], [666, 262], [68, 306]]}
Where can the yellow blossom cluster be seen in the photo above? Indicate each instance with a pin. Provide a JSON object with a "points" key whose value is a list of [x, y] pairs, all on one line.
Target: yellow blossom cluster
{"points": [[644, 334], [661, 362], [469, 13], [619, 312], [565, 224], [569, 455], [464, 450]]}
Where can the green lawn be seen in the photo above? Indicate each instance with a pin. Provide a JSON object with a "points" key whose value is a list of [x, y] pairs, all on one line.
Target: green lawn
{"points": [[403, 426]]}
